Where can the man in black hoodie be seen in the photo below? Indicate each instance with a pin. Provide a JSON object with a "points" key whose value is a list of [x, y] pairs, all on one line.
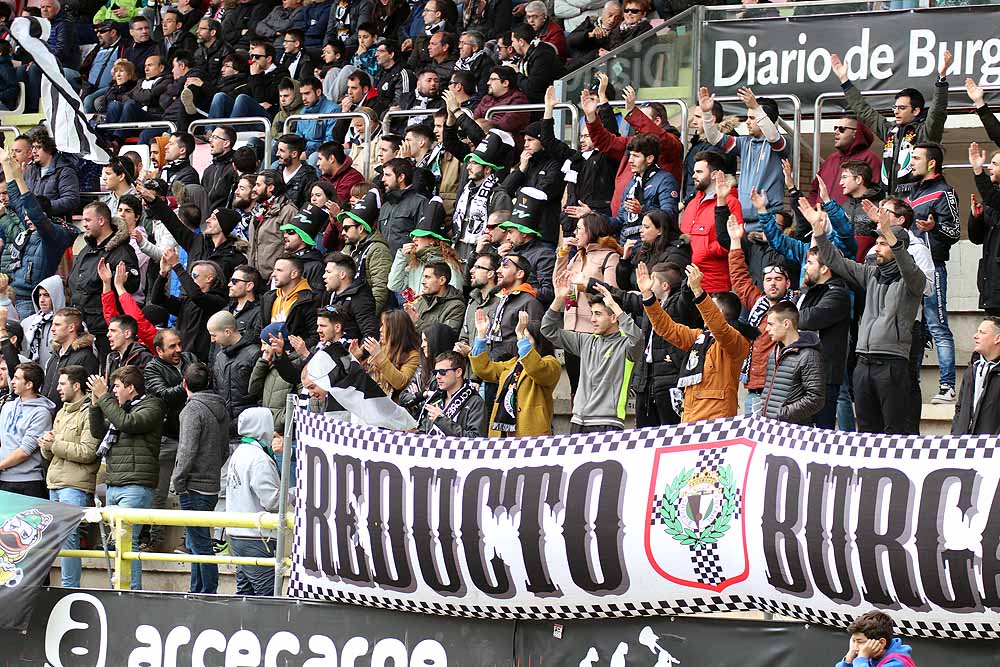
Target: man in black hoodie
{"points": [[219, 178], [538, 169], [540, 65], [351, 298], [203, 295], [262, 87], [215, 244]]}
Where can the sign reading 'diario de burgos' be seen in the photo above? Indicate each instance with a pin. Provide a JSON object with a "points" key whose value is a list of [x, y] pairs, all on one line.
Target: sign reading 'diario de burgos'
{"points": [[882, 50], [724, 515]]}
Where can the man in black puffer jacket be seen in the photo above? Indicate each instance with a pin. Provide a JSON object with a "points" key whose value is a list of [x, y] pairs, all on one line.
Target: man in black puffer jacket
{"points": [[233, 364], [795, 389], [204, 294], [219, 178]]}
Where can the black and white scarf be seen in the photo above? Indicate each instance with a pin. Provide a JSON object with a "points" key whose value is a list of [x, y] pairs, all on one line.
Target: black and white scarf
{"points": [[17, 249], [454, 407], [756, 316], [39, 334], [167, 172], [632, 222], [431, 29], [694, 366], [472, 209], [505, 418], [111, 437], [465, 64]]}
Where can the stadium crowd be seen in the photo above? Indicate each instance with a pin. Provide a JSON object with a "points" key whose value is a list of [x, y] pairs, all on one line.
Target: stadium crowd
{"points": [[158, 329]]}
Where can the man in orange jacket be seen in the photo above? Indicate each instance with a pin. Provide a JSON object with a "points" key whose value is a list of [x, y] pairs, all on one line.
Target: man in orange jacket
{"points": [[710, 377]]}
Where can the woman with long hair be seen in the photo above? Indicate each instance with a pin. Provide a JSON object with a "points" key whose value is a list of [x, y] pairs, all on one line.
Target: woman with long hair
{"points": [[597, 256], [427, 244], [323, 195], [523, 406], [395, 357], [434, 340], [660, 240]]}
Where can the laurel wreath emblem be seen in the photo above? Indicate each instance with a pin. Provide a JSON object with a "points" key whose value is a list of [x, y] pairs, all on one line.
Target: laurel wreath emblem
{"points": [[711, 533]]}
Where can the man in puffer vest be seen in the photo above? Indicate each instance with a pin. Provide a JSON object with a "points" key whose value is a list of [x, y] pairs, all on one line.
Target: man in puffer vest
{"points": [[795, 390]]}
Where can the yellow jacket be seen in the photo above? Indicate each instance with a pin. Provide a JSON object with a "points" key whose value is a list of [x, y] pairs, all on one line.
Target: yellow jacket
{"points": [[534, 389]]}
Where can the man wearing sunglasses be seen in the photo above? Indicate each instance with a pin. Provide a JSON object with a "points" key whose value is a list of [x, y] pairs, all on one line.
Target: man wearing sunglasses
{"points": [[515, 295], [851, 141], [456, 408]]}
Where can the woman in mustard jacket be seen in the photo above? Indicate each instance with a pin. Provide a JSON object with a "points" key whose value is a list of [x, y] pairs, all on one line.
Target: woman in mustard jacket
{"points": [[523, 406]]}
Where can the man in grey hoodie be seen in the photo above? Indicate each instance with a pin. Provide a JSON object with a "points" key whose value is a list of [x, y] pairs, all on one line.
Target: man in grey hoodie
{"points": [[22, 422], [201, 448], [253, 486], [47, 298], [894, 289]]}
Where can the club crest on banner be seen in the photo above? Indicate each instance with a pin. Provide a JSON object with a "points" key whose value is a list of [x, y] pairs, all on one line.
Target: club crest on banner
{"points": [[695, 533], [17, 535]]}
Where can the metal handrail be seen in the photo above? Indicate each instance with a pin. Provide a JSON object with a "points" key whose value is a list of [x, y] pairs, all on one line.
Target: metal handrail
{"points": [[673, 101], [139, 125], [574, 138], [249, 120], [294, 118], [10, 128], [796, 127], [822, 99]]}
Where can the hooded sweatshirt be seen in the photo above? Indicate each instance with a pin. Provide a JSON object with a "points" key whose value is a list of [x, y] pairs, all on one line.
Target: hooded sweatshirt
{"points": [[22, 421], [202, 446], [40, 324], [829, 171], [253, 484], [896, 647]]}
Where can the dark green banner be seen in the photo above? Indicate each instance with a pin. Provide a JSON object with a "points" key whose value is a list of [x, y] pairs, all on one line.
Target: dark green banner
{"points": [[31, 533]]}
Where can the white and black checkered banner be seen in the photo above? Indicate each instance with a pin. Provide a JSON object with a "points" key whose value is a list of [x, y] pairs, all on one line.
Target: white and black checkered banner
{"points": [[726, 515]]}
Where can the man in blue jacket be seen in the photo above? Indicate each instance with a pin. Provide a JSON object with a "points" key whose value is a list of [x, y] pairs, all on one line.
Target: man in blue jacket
{"points": [[650, 188], [37, 249], [873, 642], [315, 132]]}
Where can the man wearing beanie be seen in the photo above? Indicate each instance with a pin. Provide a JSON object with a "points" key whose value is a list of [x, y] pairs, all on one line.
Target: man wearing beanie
{"points": [[216, 242], [299, 239], [894, 287], [537, 169]]}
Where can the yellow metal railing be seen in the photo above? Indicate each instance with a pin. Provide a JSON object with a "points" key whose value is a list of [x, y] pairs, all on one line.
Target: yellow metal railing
{"points": [[122, 520]]}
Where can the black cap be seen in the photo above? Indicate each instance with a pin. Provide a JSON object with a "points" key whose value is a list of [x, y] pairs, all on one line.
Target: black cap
{"points": [[365, 212], [431, 221], [534, 130], [228, 220]]}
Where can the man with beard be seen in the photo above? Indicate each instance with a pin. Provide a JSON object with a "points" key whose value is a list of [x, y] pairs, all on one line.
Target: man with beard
{"points": [[483, 296], [698, 221], [296, 174], [894, 288], [243, 303], [515, 295], [502, 90], [271, 210], [482, 193], [428, 95], [243, 202], [291, 301], [350, 297], [851, 141], [396, 85], [299, 240]]}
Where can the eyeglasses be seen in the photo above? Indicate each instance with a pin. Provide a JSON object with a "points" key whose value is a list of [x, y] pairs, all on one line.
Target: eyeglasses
{"points": [[234, 280], [216, 137], [902, 107], [440, 372], [508, 261], [843, 128], [481, 268], [890, 212]]}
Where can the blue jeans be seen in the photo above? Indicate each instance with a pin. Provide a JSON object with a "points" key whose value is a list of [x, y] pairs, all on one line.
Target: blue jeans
{"points": [[845, 406], [88, 101], [753, 403], [134, 496], [244, 106], [198, 539], [70, 567], [936, 318], [253, 579]]}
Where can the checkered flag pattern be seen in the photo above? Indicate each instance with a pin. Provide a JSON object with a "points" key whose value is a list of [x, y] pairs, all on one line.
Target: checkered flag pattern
{"points": [[762, 431], [707, 565]]}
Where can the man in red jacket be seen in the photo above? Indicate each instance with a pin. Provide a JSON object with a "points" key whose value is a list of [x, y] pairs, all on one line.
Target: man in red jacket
{"points": [[616, 147], [698, 221], [851, 139], [336, 168]]}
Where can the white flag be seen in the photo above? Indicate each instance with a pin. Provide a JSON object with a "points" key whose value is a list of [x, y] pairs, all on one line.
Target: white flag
{"points": [[63, 106]]}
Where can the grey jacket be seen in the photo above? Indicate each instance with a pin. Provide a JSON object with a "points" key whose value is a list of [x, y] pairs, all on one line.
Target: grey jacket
{"points": [[22, 422], [796, 380], [398, 216], [890, 307], [606, 364], [202, 446]]}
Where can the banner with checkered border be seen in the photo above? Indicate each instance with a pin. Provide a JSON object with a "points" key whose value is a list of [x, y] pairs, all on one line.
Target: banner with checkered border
{"points": [[727, 515]]}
